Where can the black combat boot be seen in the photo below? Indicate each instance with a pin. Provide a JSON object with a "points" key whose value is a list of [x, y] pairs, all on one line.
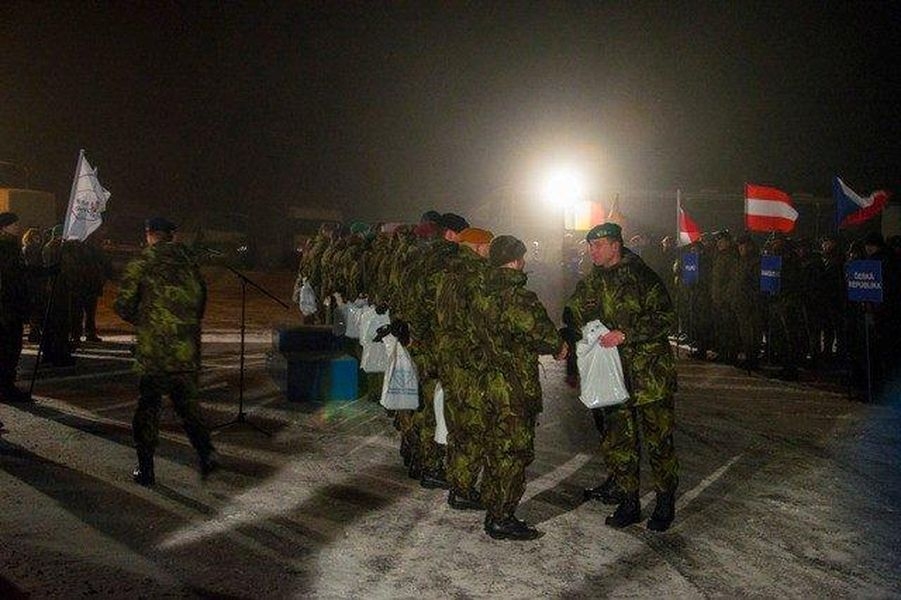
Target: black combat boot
{"points": [[415, 470], [608, 492], [13, 395], [406, 452], [664, 512], [143, 473], [462, 501], [510, 528], [209, 464], [627, 513], [434, 479]]}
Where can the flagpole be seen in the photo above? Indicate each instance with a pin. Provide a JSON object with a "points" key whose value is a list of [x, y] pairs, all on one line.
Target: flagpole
{"points": [[678, 212], [72, 193]]}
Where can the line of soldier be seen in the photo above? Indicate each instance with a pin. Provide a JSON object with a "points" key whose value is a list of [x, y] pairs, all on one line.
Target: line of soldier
{"points": [[458, 301], [809, 322]]}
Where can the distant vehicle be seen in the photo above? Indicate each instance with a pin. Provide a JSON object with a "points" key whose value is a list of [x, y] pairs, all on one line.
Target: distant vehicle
{"points": [[34, 208], [224, 235]]}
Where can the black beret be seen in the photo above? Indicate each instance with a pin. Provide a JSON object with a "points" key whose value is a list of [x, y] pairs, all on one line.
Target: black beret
{"points": [[454, 222], [430, 216], [504, 249], [8, 218], [159, 224], [874, 238]]}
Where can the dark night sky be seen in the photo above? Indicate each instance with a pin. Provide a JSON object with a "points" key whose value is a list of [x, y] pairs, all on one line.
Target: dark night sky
{"points": [[394, 109]]}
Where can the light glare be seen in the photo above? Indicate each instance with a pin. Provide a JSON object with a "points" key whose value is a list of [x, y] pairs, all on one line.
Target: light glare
{"points": [[564, 186]]}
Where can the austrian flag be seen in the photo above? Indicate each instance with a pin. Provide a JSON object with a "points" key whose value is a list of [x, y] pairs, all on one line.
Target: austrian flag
{"points": [[689, 231], [768, 209]]}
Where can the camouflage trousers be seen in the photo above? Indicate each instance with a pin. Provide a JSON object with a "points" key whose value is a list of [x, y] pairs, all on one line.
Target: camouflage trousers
{"points": [[788, 332], [749, 331], [182, 390], [726, 335], [464, 399], [621, 447], [430, 453], [509, 448], [405, 425]]}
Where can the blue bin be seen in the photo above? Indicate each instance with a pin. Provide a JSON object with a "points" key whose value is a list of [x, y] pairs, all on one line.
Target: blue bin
{"points": [[341, 379]]}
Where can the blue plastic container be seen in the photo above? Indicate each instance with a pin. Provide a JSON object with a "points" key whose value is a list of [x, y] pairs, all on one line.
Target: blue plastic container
{"points": [[341, 379]]}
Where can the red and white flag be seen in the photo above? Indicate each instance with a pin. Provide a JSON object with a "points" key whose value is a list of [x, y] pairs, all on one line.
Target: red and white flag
{"points": [[768, 209], [689, 231]]}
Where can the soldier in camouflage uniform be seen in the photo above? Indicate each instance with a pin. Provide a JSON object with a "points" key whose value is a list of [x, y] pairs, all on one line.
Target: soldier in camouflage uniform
{"points": [[311, 264], [162, 293], [625, 295], [725, 265], [746, 301], [459, 296], [416, 279], [786, 310], [516, 330]]}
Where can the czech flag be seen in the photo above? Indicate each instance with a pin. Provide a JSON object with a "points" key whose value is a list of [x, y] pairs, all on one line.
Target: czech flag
{"points": [[768, 209], [851, 209], [689, 231]]}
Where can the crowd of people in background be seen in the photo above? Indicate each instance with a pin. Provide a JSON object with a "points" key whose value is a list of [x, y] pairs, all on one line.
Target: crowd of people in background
{"points": [[52, 286], [808, 328]]}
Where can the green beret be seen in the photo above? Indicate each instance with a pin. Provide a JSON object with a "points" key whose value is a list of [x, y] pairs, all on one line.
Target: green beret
{"points": [[505, 249], [359, 227], [611, 230]]}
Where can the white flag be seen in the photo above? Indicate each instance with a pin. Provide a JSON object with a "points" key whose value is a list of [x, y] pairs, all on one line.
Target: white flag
{"points": [[86, 202]]}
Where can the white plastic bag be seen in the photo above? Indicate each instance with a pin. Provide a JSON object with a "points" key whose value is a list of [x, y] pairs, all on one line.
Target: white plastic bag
{"points": [[400, 390], [374, 358], [600, 369], [440, 423], [354, 312], [306, 298]]}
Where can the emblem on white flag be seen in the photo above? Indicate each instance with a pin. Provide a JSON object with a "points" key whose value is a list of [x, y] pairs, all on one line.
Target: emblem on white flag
{"points": [[87, 202]]}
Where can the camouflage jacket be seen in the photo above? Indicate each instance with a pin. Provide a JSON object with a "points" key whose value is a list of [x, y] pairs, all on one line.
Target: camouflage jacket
{"points": [[631, 298], [310, 263], [417, 274], [328, 267], [162, 293], [723, 276], [517, 330], [460, 300]]}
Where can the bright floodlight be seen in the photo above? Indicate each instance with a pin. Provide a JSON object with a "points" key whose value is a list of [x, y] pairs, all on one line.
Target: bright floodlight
{"points": [[564, 186]]}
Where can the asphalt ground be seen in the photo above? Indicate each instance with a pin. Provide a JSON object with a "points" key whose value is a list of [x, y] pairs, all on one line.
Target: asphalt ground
{"points": [[788, 490]]}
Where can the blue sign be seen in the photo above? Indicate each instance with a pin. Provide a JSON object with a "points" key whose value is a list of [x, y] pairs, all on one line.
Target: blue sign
{"points": [[690, 268], [770, 274], [864, 280]]}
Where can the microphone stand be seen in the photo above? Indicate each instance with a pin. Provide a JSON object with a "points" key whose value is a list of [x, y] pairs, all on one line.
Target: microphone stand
{"points": [[240, 418]]}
